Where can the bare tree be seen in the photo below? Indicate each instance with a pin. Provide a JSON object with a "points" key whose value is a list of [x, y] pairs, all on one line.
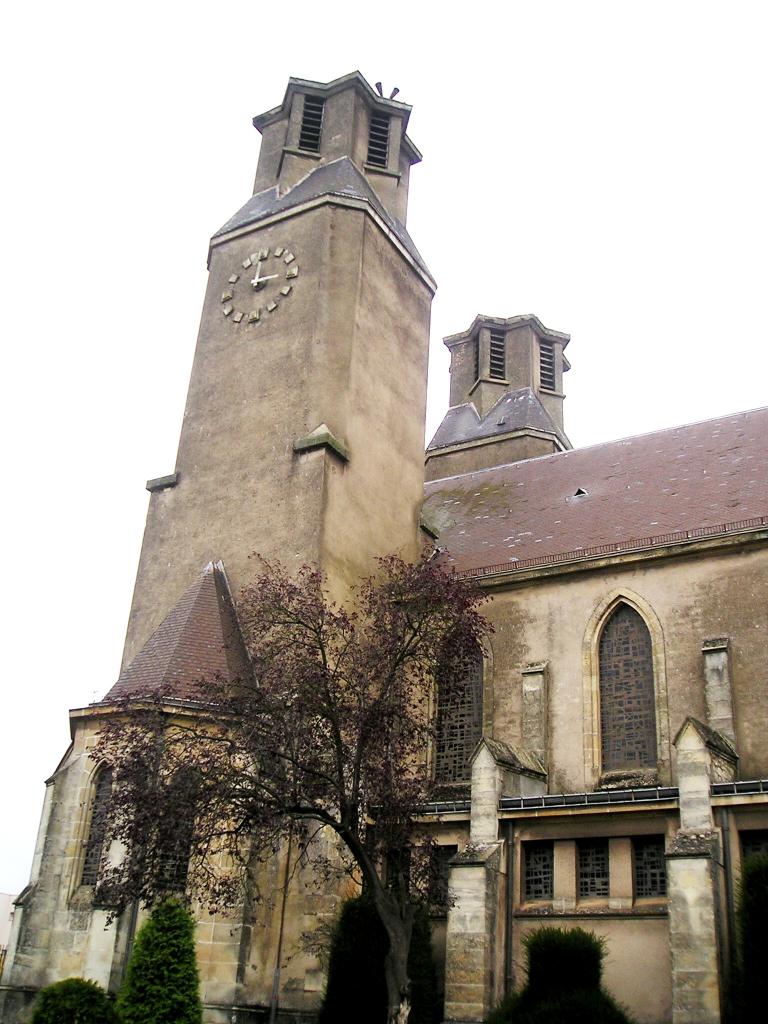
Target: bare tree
{"points": [[329, 729]]}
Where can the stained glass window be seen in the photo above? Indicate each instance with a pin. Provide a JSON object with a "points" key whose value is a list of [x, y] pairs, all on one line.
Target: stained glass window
{"points": [[593, 868], [538, 870], [94, 845], [650, 868], [176, 831], [627, 712], [459, 725]]}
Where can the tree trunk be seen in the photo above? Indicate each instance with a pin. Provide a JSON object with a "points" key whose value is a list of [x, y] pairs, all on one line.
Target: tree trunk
{"points": [[399, 925]]}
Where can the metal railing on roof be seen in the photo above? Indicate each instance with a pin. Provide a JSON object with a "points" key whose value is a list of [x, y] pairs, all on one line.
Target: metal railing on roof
{"points": [[615, 547], [599, 798]]}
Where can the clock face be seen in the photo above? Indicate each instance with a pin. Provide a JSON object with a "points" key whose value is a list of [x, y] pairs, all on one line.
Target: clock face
{"points": [[257, 288]]}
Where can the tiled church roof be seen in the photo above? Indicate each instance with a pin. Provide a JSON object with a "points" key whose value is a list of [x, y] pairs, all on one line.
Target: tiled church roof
{"points": [[198, 641], [642, 491]]}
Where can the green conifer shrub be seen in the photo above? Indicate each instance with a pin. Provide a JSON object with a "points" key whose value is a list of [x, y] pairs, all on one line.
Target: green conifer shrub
{"points": [[161, 984], [753, 936], [73, 1001], [563, 986], [356, 989]]}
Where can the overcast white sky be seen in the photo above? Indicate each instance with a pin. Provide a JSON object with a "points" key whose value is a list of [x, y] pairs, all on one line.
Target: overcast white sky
{"points": [[600, 164]]}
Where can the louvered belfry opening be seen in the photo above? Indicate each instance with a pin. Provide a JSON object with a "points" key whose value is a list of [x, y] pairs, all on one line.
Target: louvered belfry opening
{"points": [[311, 123], [627, 704], [94, 845], [378, 140], [547, 365], [498, 363], [459, 725]]}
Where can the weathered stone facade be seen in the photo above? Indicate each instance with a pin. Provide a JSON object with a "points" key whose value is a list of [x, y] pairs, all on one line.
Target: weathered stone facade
{"points": [[614, 785]]}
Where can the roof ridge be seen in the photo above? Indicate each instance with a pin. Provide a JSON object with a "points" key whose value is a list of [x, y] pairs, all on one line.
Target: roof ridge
{"points": [[599, 444], [197, 597]]}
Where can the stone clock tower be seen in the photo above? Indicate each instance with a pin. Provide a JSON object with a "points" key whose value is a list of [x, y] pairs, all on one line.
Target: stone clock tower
{"points": [[302, 441], [307, 394]]}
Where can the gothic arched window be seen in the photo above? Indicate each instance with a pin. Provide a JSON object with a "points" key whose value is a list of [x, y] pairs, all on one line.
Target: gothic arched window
{"points": [[94, 844], [627, 701], [459, 724], [176, 830]]}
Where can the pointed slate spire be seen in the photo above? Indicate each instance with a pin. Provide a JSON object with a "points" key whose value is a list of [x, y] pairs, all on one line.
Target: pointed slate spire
{"points": [[198, 641]]}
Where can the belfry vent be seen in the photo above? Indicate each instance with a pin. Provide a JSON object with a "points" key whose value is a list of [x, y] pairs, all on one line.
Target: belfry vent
{"points": [[198, 642]]}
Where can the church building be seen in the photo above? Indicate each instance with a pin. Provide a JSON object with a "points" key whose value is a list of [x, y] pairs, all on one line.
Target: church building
{"points": [[604, 764]]}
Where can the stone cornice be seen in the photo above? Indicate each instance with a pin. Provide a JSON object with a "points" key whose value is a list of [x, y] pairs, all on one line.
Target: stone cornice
{"points": [[328, 200]]}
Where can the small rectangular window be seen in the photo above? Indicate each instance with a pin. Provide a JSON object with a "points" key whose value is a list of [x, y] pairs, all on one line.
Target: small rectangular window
{"points": [[498, 356], [538, 871], [311, 123], [593, 868], [650, 869], [378, 140], [476, 353], [754, 841], [547, 365]]}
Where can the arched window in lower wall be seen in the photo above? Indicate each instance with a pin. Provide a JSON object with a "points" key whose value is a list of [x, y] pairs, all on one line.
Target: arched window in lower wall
{"points": [[627, 698], [459, 724], [94, 844]]}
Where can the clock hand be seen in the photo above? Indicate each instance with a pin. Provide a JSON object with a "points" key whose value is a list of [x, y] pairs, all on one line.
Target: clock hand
{"points": [[258, 281]]}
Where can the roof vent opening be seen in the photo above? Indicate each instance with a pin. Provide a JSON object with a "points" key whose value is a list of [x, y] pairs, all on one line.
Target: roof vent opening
{"points": [[311, 123]]}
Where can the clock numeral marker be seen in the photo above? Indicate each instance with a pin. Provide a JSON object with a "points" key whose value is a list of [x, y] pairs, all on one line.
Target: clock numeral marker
{"points": [[285, 290], [289, 257], [292, 272], [237, 317], [227, 310], [226, 296], [271, 307], [254, 316], [279, 251], [246, 263], [263, 254], [233, 278]]}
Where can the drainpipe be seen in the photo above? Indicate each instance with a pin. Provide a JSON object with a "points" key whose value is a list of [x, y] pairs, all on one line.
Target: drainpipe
{"points": [[133, 915], [730, 909], [274, 999], [509, 972]]}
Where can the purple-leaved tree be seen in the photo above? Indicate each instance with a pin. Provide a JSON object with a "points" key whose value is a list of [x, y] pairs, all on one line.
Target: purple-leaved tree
{"points": [[329, 728]]}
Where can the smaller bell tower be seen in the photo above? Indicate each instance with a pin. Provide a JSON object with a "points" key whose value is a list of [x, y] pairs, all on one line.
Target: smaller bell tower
{"points": [[506, 396]]}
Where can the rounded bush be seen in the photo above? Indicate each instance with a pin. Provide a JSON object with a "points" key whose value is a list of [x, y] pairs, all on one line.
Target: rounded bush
{"points": [[73, 1001], [587, 1006], [562, 960], [564, 971]]}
